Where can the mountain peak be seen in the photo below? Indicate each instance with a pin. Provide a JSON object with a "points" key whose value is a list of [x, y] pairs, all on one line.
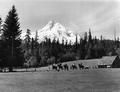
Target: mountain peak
{"points": [[56, 31], [51, 24]]}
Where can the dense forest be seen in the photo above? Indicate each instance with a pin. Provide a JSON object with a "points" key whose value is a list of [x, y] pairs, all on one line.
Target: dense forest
{"points": [[17, 52], [52, 51]]}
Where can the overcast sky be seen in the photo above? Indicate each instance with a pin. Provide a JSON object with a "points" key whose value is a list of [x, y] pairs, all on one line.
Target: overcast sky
{"points": [[102, 16]]}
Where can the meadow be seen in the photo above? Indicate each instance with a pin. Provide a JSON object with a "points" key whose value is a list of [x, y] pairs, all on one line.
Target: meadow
{"points": [[89, 80]]}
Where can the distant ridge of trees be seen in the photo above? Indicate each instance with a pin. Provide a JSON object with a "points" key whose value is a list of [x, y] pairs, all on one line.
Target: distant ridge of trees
{"points": [[17, 53]]}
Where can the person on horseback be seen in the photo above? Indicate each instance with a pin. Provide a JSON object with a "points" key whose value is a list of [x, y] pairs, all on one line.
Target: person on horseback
{"points": [[66, 67], [81, 66], [54, 67], [60, 66]]}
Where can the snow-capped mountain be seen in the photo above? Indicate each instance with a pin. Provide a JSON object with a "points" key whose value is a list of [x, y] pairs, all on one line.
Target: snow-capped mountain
{"points": [[56, 31]]}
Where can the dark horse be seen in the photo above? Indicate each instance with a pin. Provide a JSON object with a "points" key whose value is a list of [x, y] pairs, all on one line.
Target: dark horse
{"points": [[54, 67], [65, 67], [81, 66], [60, 66], [73, 66]]}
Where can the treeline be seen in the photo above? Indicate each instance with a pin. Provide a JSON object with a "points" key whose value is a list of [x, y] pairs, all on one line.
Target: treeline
{"points": [[17, 52], [52, 51]]}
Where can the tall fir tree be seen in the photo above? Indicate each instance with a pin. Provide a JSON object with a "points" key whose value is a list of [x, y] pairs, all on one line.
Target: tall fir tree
{"points": [[83, 46], [27, 39], [36, 44], [1, 47], [32, 47], [76, 43], [0, 25], [89, 46], [89, 37], [27, 45], [36, 47], [11, 33]]}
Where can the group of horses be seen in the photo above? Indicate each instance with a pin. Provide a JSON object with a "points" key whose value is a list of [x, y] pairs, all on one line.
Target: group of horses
{"points": [[66, 67], [59, 67]]}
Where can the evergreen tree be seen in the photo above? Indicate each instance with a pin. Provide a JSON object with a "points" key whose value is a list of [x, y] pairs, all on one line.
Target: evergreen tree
{"points": [[36, 47], [89, 46], [1, 47], [36, 44], [0, 25], [76, 44], [11, 34], [27, 45], [36, 37], [83, 46], [32, 47], [90, 37], [27, 39]]}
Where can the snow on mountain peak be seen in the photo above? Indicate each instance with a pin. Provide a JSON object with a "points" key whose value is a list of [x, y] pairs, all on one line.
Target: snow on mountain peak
{"points": [[56, 31], [48, 26]]}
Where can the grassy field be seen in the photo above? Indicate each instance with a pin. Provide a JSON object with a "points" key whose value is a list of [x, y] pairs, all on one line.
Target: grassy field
{"points": [[93, 80]]}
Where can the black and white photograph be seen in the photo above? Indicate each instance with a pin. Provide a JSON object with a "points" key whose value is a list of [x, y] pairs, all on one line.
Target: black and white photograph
{"points": [[59, 45]]}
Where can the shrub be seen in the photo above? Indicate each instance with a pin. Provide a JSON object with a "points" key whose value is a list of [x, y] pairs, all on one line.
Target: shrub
{"points": [[43, 61], [51, 60], [68, 57]]}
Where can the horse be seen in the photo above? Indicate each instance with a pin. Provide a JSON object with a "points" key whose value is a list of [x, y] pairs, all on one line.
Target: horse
{"points": [[54, 67], [74, 67], [81, 66], [66, 67], [60, 66], [87, 67]]}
